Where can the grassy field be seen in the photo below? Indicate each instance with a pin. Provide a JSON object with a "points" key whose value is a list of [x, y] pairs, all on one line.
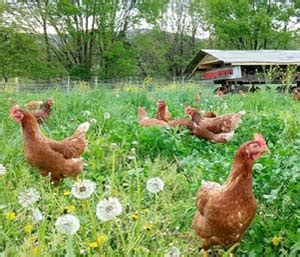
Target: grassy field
{"points": [[150, 224]]}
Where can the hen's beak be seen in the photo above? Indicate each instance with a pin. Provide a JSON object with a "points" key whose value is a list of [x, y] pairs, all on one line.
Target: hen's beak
{"points": [[265, 149]]}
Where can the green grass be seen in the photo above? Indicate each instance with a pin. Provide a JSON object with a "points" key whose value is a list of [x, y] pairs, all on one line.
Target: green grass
{"points": [[179, 159]]}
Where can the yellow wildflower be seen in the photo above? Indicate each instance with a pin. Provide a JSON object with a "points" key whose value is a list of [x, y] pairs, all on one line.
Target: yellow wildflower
{"points": [[70, 208], [66, 193], [148, 226], [276, 240], [134, 216], [101, 239], [35, 251], [28, 228], [34, 240], [93, 244], [11, 215]]}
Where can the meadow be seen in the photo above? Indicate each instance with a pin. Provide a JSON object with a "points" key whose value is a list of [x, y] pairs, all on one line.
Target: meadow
{"points": [[122, 157]]}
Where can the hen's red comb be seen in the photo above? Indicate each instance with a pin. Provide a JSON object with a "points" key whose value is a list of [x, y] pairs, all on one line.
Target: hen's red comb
{"points": [[260, 139], [14, 109], [188, 109]]}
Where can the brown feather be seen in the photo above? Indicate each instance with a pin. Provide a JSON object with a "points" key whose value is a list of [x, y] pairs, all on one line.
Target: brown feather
{"points": [[55, 158], [224, 212]]}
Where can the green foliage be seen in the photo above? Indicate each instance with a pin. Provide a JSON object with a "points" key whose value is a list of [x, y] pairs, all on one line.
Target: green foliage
{"points": [[249, 24], [120, 61], [179, 159]]}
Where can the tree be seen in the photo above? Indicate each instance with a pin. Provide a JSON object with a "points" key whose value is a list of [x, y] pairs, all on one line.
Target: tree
{"points": [[87, 32], [182, 30], [21, 53], [249, 24], [152, 50]]}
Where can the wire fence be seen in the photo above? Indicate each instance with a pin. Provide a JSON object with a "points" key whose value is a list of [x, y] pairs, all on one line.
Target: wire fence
{"points": [[68, 85]]}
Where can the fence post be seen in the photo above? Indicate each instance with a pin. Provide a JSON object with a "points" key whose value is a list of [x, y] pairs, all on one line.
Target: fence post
{"points": [[96, 81], [68, 85], [17, 84]]}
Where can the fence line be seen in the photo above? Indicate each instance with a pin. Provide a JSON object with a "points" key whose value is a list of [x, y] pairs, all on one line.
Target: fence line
{"points": [[68, 85]]}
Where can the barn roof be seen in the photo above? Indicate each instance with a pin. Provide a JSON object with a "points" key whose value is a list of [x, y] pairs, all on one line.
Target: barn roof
{"points": [[243, 57]]}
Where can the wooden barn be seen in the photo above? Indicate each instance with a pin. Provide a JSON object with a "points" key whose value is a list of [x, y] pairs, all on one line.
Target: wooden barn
{"points": [[238, 67]]}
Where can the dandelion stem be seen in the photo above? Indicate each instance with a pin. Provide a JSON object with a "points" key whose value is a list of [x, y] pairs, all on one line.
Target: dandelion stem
{"points": [[70, 250], [93, 220], [113, 170], [100, 131], [122, 237], [139, 200]]}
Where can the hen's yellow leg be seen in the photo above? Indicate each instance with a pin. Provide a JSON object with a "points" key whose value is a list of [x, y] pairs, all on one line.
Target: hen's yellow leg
{"points": [[204, 254]]}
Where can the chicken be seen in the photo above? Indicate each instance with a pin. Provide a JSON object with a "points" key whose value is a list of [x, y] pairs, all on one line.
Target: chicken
{"points": [[241, 92], [297, 94], [220, 93], [201, 131], [196, 105], [162, 111], [33, 105], [180, 122], [58, 159], [224, 212], [225, 123], [44, 113], [145, 121], [209, 115]]}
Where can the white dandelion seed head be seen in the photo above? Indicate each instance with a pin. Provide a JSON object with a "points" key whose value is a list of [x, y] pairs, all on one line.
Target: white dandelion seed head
{"points": [[93, 121], [130, 157], [108, 209], [28, 197], [86, 113], [173, 252], [258, 166], [155, 185], [114, 145], [83, 189], [2, 170], [106, 115], [67, 224], [36, 216]]}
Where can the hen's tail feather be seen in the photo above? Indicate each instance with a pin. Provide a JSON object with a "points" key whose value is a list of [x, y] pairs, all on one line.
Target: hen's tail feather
{"points": [[83, 127]]}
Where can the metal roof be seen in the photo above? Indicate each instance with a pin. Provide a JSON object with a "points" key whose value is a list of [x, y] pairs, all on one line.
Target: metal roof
{"points": [[256, 56]]}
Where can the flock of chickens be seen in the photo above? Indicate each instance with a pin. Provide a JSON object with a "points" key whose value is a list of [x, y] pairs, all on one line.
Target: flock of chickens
{"points": [[214, 222], [209, 126]]}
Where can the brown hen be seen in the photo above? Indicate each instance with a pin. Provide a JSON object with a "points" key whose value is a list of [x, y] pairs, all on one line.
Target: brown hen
{"points": [[297, 94], [33, 105], [58, 159], [162, 111], [225, 123], [224, 212], [145, 121], [44, 113]]}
